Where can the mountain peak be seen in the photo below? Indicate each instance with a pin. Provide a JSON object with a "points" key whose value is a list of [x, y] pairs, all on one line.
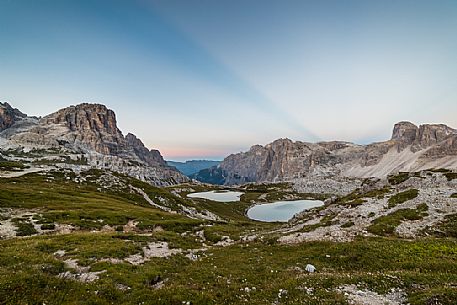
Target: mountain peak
{"points": [[151, 157], [94, 125], [86, 116], [404, 131], [430, 134], [90, 130], [424, 135]]}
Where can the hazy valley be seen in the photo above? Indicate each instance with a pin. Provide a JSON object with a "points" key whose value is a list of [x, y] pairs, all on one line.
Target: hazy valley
{"points": [[192, 167]]}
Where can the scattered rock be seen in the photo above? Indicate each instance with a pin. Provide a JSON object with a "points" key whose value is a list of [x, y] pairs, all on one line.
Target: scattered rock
{"points": [[59, 253], [310, 268], [123, 287], [225, 242], [366, 297], [82, 274], [153, 249]]}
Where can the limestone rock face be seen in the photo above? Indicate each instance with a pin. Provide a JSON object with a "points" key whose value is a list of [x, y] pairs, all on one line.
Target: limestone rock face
{"points": [[151, 157], [9, 116], [88, 132], [411, 148], [423, 136], [405, 132], [432, 134], [93, 126]]}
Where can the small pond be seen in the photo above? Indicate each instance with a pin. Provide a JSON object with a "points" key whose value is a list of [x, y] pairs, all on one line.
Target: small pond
{"points": [[220, 196], [281, 210]]}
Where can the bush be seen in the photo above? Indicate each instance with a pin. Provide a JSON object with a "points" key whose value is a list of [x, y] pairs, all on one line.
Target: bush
{"points": [[347, 224], [48, 226], [25, 229], [356, 202], [397, 179], [450, 176], [11, 165]]}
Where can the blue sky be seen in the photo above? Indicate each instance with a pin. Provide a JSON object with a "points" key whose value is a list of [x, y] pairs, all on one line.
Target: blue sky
{"points": [[203, 79]]}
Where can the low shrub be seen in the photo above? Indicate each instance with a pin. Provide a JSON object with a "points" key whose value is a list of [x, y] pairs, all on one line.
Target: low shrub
{"points": [[386, 225], [402, 197]]}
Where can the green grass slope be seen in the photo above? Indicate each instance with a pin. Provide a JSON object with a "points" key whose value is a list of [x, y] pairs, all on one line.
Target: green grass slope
{"points": [[256, 271]]}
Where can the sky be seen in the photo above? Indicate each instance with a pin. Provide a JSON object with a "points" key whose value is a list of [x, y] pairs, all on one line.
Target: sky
{"points": [[201, 79]]}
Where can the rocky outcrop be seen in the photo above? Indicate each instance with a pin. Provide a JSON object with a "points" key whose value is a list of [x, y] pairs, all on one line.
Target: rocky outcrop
{"points": [[9, 116], [281, 160], [429, 135], [411, 148], [90, 126], [406, 133], [90, 132], [151, 157]]}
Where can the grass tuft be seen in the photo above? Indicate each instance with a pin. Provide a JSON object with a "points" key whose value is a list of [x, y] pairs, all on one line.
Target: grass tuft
{"points": [[397, 179], [386, 225], [402, 197]]}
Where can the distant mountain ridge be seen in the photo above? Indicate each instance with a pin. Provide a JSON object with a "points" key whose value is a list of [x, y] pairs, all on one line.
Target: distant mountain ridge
{"points": [[85, 131], [411, 148], [191, 167]]}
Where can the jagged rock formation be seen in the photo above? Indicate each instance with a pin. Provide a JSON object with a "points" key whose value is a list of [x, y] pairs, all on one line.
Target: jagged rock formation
{"points": [[411, 148], [9, 116], [85, 132], [151, 157], [90, 126], [424, 136]]}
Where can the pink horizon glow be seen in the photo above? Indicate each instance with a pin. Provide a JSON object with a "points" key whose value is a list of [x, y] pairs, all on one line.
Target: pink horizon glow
{"points": [[189, 153]]}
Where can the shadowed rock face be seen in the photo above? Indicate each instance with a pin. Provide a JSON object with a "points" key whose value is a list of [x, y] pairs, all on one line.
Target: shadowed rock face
{"points": [[405, 132], [151, 157], [410, 148], [9, 116], [423, 136], [433, 134], [91, 130]]}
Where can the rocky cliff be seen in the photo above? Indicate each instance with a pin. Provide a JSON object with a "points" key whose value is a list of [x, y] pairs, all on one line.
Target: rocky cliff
{"points": [[84, 132], [410, 148], [151, 157], [91, 126], [9, 116]]}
